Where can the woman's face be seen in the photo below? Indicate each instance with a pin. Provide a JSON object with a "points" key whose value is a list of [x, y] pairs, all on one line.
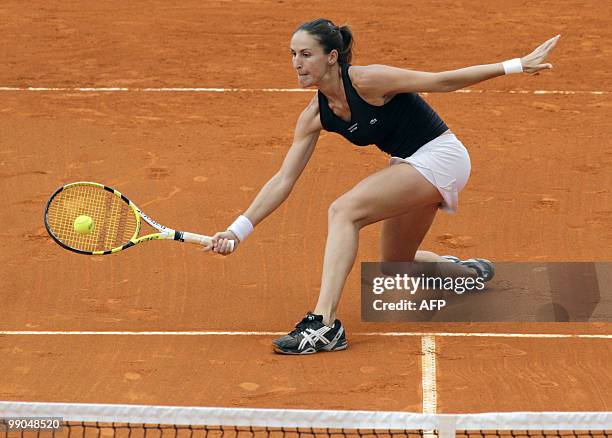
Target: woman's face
{"points": [[309, 59]]}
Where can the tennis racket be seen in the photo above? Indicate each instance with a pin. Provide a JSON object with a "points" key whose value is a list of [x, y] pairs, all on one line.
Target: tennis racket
{"points": [[115, 221]]}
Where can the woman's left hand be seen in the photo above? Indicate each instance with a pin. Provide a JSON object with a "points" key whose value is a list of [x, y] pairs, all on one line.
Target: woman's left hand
{"points": [[534, 62]]}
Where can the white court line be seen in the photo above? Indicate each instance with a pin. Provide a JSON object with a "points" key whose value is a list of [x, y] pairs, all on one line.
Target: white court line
{"points": [[468, 91], [270, 90], [246, 333], [429, 374], [159, 90]]}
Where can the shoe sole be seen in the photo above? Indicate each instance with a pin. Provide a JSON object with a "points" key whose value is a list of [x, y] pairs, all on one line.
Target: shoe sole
{"points": [[279, 350]]}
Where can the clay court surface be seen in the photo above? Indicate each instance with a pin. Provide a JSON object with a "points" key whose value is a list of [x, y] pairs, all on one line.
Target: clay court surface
{"points": [[539, 191]]}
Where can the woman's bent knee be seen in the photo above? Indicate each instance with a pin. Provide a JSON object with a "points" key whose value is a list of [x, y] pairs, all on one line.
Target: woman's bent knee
{"points": [[343, 208]]}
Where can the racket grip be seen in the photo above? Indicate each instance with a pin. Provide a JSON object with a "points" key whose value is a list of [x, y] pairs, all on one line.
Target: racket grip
{"points": [[199, 239]]}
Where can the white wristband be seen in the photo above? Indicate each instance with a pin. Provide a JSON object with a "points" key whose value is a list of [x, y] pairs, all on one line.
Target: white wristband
{"points": [[513, 66], [241, 227]]}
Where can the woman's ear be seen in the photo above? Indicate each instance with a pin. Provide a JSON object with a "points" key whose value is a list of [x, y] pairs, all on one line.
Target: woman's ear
{"points": [[332, 58]]}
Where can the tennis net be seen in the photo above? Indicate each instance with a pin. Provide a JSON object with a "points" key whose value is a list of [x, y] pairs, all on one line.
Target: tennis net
{"points": [[18, 419]]}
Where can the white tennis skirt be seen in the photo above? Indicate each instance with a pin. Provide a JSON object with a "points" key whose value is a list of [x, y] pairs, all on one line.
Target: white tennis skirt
{"points": [[445, 162]]}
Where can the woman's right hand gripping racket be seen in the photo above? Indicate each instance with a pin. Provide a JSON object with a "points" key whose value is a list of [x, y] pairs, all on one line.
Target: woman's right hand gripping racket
{"points": [[94, 219]]}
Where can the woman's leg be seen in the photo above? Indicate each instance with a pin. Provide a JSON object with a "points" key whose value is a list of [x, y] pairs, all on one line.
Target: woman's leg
{"points": [[391, 192], [401, 237]]}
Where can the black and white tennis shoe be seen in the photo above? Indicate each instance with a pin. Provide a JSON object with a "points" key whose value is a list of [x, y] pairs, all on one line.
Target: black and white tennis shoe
{"points": [[311, 336], [484, 268]]}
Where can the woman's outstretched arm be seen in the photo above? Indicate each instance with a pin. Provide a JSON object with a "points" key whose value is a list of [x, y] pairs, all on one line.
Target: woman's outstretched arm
{"points": [[382, 80], [278, 188]]}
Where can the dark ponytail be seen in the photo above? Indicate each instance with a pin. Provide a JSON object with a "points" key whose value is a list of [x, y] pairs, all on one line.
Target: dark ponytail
{"points": [[331, 37], [347, 37]]}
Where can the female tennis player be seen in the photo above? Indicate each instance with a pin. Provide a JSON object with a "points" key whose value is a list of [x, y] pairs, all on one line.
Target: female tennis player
{"points": [[429, 166]]}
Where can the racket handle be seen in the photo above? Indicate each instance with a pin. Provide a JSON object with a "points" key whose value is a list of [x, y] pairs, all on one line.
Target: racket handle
{"points": [[199, 239]]}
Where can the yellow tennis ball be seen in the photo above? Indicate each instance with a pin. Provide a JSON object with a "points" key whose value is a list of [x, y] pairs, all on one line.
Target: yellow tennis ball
{"points": [[83, 224]]}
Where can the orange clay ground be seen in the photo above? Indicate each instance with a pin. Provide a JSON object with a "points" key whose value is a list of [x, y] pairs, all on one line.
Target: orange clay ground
{"points": [[539, 191]]}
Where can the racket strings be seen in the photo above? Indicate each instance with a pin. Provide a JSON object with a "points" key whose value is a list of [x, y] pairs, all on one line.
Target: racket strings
{"points": [[114, 222]]}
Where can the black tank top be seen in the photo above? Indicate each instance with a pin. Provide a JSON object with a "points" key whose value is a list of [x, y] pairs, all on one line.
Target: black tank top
{"points": [[399, 127]]}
